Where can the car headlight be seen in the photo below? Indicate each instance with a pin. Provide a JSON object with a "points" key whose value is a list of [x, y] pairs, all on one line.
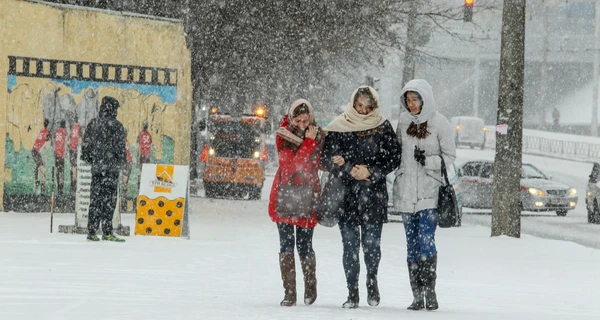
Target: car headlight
{"points": [[256, 154], [536, 192], [572, 192], [211, 151]]}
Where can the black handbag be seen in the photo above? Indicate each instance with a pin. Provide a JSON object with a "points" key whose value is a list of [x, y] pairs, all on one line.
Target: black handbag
{"points": [[294, 201], [331, 203], [447, 209]]}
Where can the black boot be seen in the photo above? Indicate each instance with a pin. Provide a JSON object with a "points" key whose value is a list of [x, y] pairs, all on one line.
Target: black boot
{"points": [[373, 296], [352, 302], [287, 265], [429, 276], [414, 274]]}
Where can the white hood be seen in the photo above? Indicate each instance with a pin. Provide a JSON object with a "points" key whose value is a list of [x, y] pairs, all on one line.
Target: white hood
{"points": [[423, 88]]}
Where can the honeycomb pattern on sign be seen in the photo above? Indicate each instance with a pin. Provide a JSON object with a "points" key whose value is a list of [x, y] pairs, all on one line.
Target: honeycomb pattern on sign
{"points": [[159, 217]]}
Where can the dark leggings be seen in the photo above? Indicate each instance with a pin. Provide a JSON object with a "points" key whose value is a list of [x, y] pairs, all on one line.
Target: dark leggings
{"points": [[352, 237], [302, 240]]}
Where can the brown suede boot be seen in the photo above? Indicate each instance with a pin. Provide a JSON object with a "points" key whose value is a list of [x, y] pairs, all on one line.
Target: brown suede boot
{"points": [[287, 265], [414, 274], [309, 269]]}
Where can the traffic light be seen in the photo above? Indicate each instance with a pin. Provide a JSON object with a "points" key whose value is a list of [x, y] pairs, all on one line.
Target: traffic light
{"points": [[468, 10]]}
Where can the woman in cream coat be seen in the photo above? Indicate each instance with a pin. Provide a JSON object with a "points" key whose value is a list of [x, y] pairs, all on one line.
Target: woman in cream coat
{"points": [[426, 138]]}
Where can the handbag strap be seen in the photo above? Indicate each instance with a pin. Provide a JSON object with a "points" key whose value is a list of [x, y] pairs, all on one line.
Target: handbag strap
{"points": [[292, 176], [444, 171]]}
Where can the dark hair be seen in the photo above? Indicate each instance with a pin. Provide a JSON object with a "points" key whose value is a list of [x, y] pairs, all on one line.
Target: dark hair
{"points": [[46, 122], [418, 131], [418, 95], [63, 123], [365, 91], [300, 109]]}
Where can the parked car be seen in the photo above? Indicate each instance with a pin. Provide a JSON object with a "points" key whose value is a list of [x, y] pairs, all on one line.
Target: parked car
{"points": [[538, 191], [454, 179], [593, 191], [469, 131]]}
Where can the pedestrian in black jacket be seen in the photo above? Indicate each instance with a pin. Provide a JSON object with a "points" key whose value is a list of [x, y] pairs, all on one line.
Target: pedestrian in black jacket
{"points": [[103, 148], [361, 148]]}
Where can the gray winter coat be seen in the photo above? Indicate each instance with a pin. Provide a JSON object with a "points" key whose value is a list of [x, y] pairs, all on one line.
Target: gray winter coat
{"points": [[416, 186]]}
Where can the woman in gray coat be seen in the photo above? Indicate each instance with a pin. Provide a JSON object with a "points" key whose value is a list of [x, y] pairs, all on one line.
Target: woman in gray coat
{"points": [[426, 138]]}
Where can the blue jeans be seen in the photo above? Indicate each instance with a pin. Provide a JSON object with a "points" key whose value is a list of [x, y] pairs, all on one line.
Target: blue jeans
{"points": [[420, 234], [370, 234], [302, 240]]}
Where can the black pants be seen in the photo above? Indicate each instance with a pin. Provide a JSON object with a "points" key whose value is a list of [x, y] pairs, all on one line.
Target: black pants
{"points": [[302, 240], [59, 165], [103, 200]]}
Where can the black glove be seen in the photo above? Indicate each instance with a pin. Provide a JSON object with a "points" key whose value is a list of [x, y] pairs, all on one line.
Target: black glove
{"points": [[420, 156]]}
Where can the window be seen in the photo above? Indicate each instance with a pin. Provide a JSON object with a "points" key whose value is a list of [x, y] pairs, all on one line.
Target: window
{"points": [[487, 171], [471, 169]]}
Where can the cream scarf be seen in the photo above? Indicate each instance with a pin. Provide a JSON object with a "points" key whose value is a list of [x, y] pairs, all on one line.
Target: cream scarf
{"points": [[351, 121]]}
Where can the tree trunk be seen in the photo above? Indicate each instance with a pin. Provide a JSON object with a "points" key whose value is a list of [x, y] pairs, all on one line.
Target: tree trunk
{"points": [[408, 72], [506, 213]]}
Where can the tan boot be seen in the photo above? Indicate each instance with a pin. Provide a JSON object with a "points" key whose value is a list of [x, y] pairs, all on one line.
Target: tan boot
{"points": [[287, 264], [309, 269]]}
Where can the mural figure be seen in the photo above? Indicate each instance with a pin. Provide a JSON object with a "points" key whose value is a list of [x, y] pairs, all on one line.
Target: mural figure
{"points": [[60, 141], [36, 153], [87, 109], [74, 137], [144, 142]]}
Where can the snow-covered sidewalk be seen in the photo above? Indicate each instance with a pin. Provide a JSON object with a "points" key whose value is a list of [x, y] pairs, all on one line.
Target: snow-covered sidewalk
{"points": [[229, 270]]}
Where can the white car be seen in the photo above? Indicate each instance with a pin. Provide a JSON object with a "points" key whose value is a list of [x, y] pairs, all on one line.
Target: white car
{"points": [[592, 194], [469, 131]]}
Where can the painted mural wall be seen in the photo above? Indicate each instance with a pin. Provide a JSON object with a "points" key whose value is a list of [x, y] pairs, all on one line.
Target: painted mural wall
{"points": [[57, 83]]}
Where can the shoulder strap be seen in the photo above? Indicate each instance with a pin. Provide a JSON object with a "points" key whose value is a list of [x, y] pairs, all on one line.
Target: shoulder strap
{"points": [[444, 172]]}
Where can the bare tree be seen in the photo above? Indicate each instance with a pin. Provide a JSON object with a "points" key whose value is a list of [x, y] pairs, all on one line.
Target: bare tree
{"points": [[506, 212]]}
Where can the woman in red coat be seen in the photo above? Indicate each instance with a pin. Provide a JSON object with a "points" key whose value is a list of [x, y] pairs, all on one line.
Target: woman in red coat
{"points": [[299, 142]]}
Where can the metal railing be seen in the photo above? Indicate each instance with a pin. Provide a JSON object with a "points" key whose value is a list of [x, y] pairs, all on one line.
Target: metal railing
{"points": [[562, 146]]}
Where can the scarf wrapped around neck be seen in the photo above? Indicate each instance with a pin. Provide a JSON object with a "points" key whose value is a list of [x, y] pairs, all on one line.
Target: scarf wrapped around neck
{"points": [[293, 136]]}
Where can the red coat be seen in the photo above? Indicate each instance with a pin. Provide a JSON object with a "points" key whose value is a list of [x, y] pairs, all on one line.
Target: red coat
{"points": [[290, 163]]}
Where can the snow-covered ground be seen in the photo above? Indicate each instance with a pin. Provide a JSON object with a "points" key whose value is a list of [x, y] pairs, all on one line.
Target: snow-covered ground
{"points": [[229, 269]]}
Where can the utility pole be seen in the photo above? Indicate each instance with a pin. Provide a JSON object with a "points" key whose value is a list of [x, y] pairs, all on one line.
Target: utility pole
{"points": [[595, 102], [408, 73], [506, 206]]}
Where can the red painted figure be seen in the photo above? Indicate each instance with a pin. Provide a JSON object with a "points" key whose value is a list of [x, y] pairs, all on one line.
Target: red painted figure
{"points": [[36, 154], [74, 137], [60, 142], [145, 144]]}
